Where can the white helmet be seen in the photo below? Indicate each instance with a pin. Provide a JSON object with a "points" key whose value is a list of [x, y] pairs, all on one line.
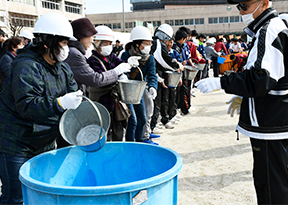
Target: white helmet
{"points": [[104, 33], [26, 34], [140, 33], [210, 41], [213, 39], [284, 17], [54, 24], [196, 42], [167, 29]]}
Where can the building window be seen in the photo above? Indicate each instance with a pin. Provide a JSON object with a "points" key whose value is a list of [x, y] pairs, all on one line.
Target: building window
{"points": [[30, 2], [237, 19], [179, 22], [224, 19], [189, 21], [22, 20], [156, 23], [51, 4], [72, 8], [130, 25], [116, 25], [170, 22], [199, 21], [108, 25]]}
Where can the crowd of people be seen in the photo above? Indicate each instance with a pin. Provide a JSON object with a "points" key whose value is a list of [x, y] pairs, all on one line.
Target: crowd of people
{"points": [[44, 73]]}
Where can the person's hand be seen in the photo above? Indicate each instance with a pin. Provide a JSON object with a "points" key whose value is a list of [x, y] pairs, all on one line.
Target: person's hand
{"points": [[181, 67], [184, 62], [123, 68], [163, 84], [208, 85], [134, 61], [152, 93], [70, 100], [123, 77], [235, 105]]}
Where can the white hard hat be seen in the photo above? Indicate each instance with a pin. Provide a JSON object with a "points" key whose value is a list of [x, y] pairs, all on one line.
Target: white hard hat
{"points": [[196, 42], [54, 24], [284, 17], [140, 33], [26, 34], [167, 29], [104, 33], [210, 41], [224, 40], [213, 39]]}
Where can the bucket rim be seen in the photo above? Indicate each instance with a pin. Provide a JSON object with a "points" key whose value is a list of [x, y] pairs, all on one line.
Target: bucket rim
{"points": [[99, 190]]}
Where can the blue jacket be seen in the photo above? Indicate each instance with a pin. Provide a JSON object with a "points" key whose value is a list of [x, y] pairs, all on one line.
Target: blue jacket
{"points": [[148, 70], [5, 63], [29, 114]]}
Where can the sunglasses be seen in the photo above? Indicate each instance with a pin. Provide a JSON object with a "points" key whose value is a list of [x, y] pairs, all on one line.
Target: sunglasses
{"points": [[244, 6]]}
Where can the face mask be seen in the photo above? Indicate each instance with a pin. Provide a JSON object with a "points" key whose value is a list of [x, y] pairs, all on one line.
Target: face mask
{"points": [[146, 50], [106, 50], [64, 52], [248, 18]]}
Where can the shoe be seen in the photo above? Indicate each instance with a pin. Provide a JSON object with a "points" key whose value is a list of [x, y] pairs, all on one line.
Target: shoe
{"points": [[160, 125], [150, 142], [191, 109], [169, 125], [152, 135], [175, 122], [158, 130]]}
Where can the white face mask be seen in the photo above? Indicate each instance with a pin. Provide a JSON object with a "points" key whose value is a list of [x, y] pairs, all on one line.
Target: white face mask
{"points": [[64, 52], [146, 50], [248, 18], [106, 50]]}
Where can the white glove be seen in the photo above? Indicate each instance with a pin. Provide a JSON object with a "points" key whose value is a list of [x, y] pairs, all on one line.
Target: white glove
{"points": [[208, 85], [133, 61], [152, 93], [123, 77], [122, 68], [235, 104], [70, 100]]}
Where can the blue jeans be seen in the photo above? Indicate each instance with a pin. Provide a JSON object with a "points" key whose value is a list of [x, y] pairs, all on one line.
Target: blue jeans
{"points": [[136, 122], [9, 173]]}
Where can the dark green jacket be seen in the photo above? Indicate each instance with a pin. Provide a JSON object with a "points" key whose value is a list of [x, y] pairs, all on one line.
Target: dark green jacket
{"points": [[29, 114]]}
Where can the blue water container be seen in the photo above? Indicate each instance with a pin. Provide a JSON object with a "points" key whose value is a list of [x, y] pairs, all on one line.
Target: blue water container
{"points": [[119, 173]]}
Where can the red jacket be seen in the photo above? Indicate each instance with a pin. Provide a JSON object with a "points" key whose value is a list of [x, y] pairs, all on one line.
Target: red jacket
{"points": [[194, 55], [220, 46]]}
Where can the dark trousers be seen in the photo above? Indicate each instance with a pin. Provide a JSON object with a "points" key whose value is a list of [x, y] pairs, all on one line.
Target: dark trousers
{"points": [[11, 185], [270, 171], [185, 96], [116, 129], [215, 67]]}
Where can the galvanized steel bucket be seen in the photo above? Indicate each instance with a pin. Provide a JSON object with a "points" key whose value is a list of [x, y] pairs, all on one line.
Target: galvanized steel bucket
{"points": [[172, 78], [131, 91], [87, 126], [190, 72], [201, 66]]}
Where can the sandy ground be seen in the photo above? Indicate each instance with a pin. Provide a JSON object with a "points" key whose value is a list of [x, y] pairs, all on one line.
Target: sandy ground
{"points": [[217, 169]]}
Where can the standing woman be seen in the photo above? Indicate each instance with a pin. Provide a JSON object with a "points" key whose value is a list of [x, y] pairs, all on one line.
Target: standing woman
{"points": [[34, 96], [140, 46], [106, 63], [14, 43]]}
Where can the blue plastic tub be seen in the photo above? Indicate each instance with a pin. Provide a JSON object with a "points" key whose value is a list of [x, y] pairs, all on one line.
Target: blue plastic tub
{"points": [[119, 173], [221, 60]]}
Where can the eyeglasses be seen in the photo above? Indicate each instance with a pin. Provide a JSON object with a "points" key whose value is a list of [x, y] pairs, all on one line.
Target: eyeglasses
{"points": [[244, 6]]}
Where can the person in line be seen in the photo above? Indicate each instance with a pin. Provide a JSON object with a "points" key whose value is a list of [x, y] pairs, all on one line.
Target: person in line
{"points": [[201, 49], [26, 37], [3, 43], [109, 69], [220, 47], [243, 44], [235, 46], [227, 45], [164, 62], [264, 108], [140, 46], [212, 55], [14, 43], [117, 48], [39, 89]]}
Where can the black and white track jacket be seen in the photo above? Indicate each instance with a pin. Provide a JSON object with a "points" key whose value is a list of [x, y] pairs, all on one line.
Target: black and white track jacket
{"points": [[164, 62], [264, 82]]}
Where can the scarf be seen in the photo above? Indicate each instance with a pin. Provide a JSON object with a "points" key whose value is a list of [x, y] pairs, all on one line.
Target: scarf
{"points": [[133, 52]]}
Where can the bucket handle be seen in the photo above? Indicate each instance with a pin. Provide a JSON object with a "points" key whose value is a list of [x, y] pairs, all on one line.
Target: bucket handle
{"points": [[97, 111], [141, 73]]}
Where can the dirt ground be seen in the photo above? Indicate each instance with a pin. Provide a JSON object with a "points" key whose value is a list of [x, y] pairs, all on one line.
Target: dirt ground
{"points": [[217, 169]]}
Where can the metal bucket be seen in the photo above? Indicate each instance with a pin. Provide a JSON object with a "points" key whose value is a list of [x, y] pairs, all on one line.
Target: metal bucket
{"points": [[87, 126], [190, 72], [201, 66], [131, 91], [172, 78]]}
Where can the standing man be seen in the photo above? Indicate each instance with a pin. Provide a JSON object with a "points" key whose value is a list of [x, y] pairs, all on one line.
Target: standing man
{"points": [[3, 43], [118, 48], [264, 108]]}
